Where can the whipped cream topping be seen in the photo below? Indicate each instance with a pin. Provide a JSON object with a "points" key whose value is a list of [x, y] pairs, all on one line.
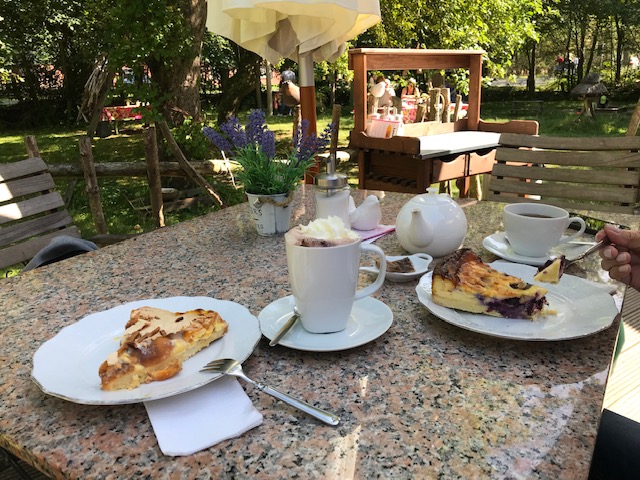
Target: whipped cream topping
{"points": [[332, 231]]}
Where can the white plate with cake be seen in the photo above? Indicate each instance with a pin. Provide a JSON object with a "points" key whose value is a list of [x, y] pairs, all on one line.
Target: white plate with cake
{"points": [[67, 365], [573, 308], [498, 245]]}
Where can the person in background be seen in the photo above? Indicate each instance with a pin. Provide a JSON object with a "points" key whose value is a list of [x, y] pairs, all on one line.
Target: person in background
{"points": [[411, 90], [289, 92], [618, 442], [387, 97]]}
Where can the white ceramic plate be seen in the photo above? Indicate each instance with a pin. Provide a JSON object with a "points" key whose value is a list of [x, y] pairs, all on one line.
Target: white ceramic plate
{"points": [[369, 319], [420, 261], [582, 309], [67, 365], [498, 245]]}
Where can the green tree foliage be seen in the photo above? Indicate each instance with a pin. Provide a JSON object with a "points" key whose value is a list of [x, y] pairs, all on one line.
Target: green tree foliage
{"points": [[41, 40], [500, 27]]}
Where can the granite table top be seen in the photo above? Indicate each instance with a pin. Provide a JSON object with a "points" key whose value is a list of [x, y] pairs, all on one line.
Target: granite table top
{"points": [[425, 400]]}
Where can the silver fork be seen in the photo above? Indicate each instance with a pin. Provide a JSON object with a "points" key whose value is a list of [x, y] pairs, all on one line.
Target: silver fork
{"points": [[229, 366], [601, 244]]}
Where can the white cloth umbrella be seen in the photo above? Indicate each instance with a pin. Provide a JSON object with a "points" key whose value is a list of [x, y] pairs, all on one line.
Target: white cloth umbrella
{"points": [[302, 30]]}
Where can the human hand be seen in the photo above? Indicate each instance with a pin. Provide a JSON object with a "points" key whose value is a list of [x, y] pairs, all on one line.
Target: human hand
{"points": [[622, 258]]}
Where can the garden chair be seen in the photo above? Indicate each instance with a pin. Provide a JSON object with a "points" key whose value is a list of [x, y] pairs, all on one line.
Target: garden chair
{"points": [[596, 173], [32, 213]]}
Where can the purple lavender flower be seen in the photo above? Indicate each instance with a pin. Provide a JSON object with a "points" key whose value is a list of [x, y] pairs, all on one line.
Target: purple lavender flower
{"points": [[235, 133], [306, 145], [254, 148], [259, 135], [220, 141], [235, 138], [269, 144]]}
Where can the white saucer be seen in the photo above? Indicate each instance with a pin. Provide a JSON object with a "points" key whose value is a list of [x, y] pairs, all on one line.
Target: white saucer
{"points": [[498, 245], [369, 319], [420, 262]]}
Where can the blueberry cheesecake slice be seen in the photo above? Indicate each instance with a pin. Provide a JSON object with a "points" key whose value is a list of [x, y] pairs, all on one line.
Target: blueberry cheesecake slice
{"points": [[552, 270], [464, 282]]}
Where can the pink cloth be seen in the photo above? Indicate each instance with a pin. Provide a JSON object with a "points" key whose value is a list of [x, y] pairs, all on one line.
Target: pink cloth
{"points": [[369, 236]]}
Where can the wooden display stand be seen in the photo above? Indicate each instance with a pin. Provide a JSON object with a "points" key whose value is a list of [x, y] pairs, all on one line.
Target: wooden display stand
{"points": [[407, 163]]}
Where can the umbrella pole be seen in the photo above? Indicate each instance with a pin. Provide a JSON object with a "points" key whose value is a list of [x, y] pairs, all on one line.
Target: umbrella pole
{"points": [[308, 101], [307, 90]]}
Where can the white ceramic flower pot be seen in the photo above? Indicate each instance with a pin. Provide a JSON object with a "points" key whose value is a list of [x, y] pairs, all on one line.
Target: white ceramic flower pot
{"points": [[272, 213]]}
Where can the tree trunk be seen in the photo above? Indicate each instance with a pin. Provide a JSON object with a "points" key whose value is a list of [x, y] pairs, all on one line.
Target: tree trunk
{"points": [[531, 78], [267, 65], [592, 50], [181, 77], [240, 84], [620, 38]]}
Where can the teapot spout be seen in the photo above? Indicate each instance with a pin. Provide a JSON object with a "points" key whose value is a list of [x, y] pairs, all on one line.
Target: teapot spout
{"points": [[420, 232]]}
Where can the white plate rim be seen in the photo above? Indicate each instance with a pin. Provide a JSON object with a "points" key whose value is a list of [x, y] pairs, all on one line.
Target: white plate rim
{"points": [[573, 313], [60, 373], [369, 315], [493, 241]]}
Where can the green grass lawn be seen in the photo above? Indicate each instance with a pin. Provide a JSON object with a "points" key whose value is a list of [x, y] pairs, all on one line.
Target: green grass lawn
{"points": [[121, 197]]}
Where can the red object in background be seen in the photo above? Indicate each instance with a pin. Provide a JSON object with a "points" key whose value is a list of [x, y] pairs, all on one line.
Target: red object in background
{"points": [[129, 112]]}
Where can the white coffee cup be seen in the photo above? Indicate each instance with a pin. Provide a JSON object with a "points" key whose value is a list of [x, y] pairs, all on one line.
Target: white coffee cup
{"points": [[324, 282], [533, 229]]}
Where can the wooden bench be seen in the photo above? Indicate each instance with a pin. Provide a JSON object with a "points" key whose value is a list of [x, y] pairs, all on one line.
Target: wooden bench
{"points": [[31, 211], [591, 173]]}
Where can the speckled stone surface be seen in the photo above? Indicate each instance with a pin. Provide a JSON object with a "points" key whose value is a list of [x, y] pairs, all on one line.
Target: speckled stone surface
{"points": [[425, 400]]}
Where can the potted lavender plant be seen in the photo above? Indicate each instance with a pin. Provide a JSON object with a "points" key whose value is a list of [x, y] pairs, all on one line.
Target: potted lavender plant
{"points": [[269, 182]]}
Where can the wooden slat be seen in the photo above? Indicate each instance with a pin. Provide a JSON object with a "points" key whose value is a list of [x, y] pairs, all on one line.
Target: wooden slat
{"points": [[595, 173], [570, 143], [528, 127], [412, 59], [25, 251], [26, 186], [568, 205], [578, 192], [36, 226], [30, 166], [31, 206], [613, 159], [605, 177]]}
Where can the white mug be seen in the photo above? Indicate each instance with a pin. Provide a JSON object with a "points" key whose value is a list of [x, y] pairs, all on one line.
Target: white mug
{"points": [[324, 282], [533, 229]]}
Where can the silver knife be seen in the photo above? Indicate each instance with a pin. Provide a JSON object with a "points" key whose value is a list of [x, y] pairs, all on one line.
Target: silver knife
{"points": [[285, 328]]}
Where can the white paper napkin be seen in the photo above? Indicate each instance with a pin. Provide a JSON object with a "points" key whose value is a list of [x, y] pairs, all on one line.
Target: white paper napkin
{"points": [[195, 420]]}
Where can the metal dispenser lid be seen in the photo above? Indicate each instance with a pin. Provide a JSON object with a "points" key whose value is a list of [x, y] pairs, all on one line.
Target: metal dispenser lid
{"points": [[331, 180]]}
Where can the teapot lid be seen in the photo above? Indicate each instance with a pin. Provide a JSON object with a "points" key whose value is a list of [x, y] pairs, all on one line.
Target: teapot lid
{"points": [[432, 197]]}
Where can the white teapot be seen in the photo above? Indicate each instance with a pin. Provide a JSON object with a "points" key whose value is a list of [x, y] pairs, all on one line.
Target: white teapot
{"points": [[431, 223]]}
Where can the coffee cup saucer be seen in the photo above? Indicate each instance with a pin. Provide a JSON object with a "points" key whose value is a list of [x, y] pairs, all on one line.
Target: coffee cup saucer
{"points": [[498, 244], [369, 319]]}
